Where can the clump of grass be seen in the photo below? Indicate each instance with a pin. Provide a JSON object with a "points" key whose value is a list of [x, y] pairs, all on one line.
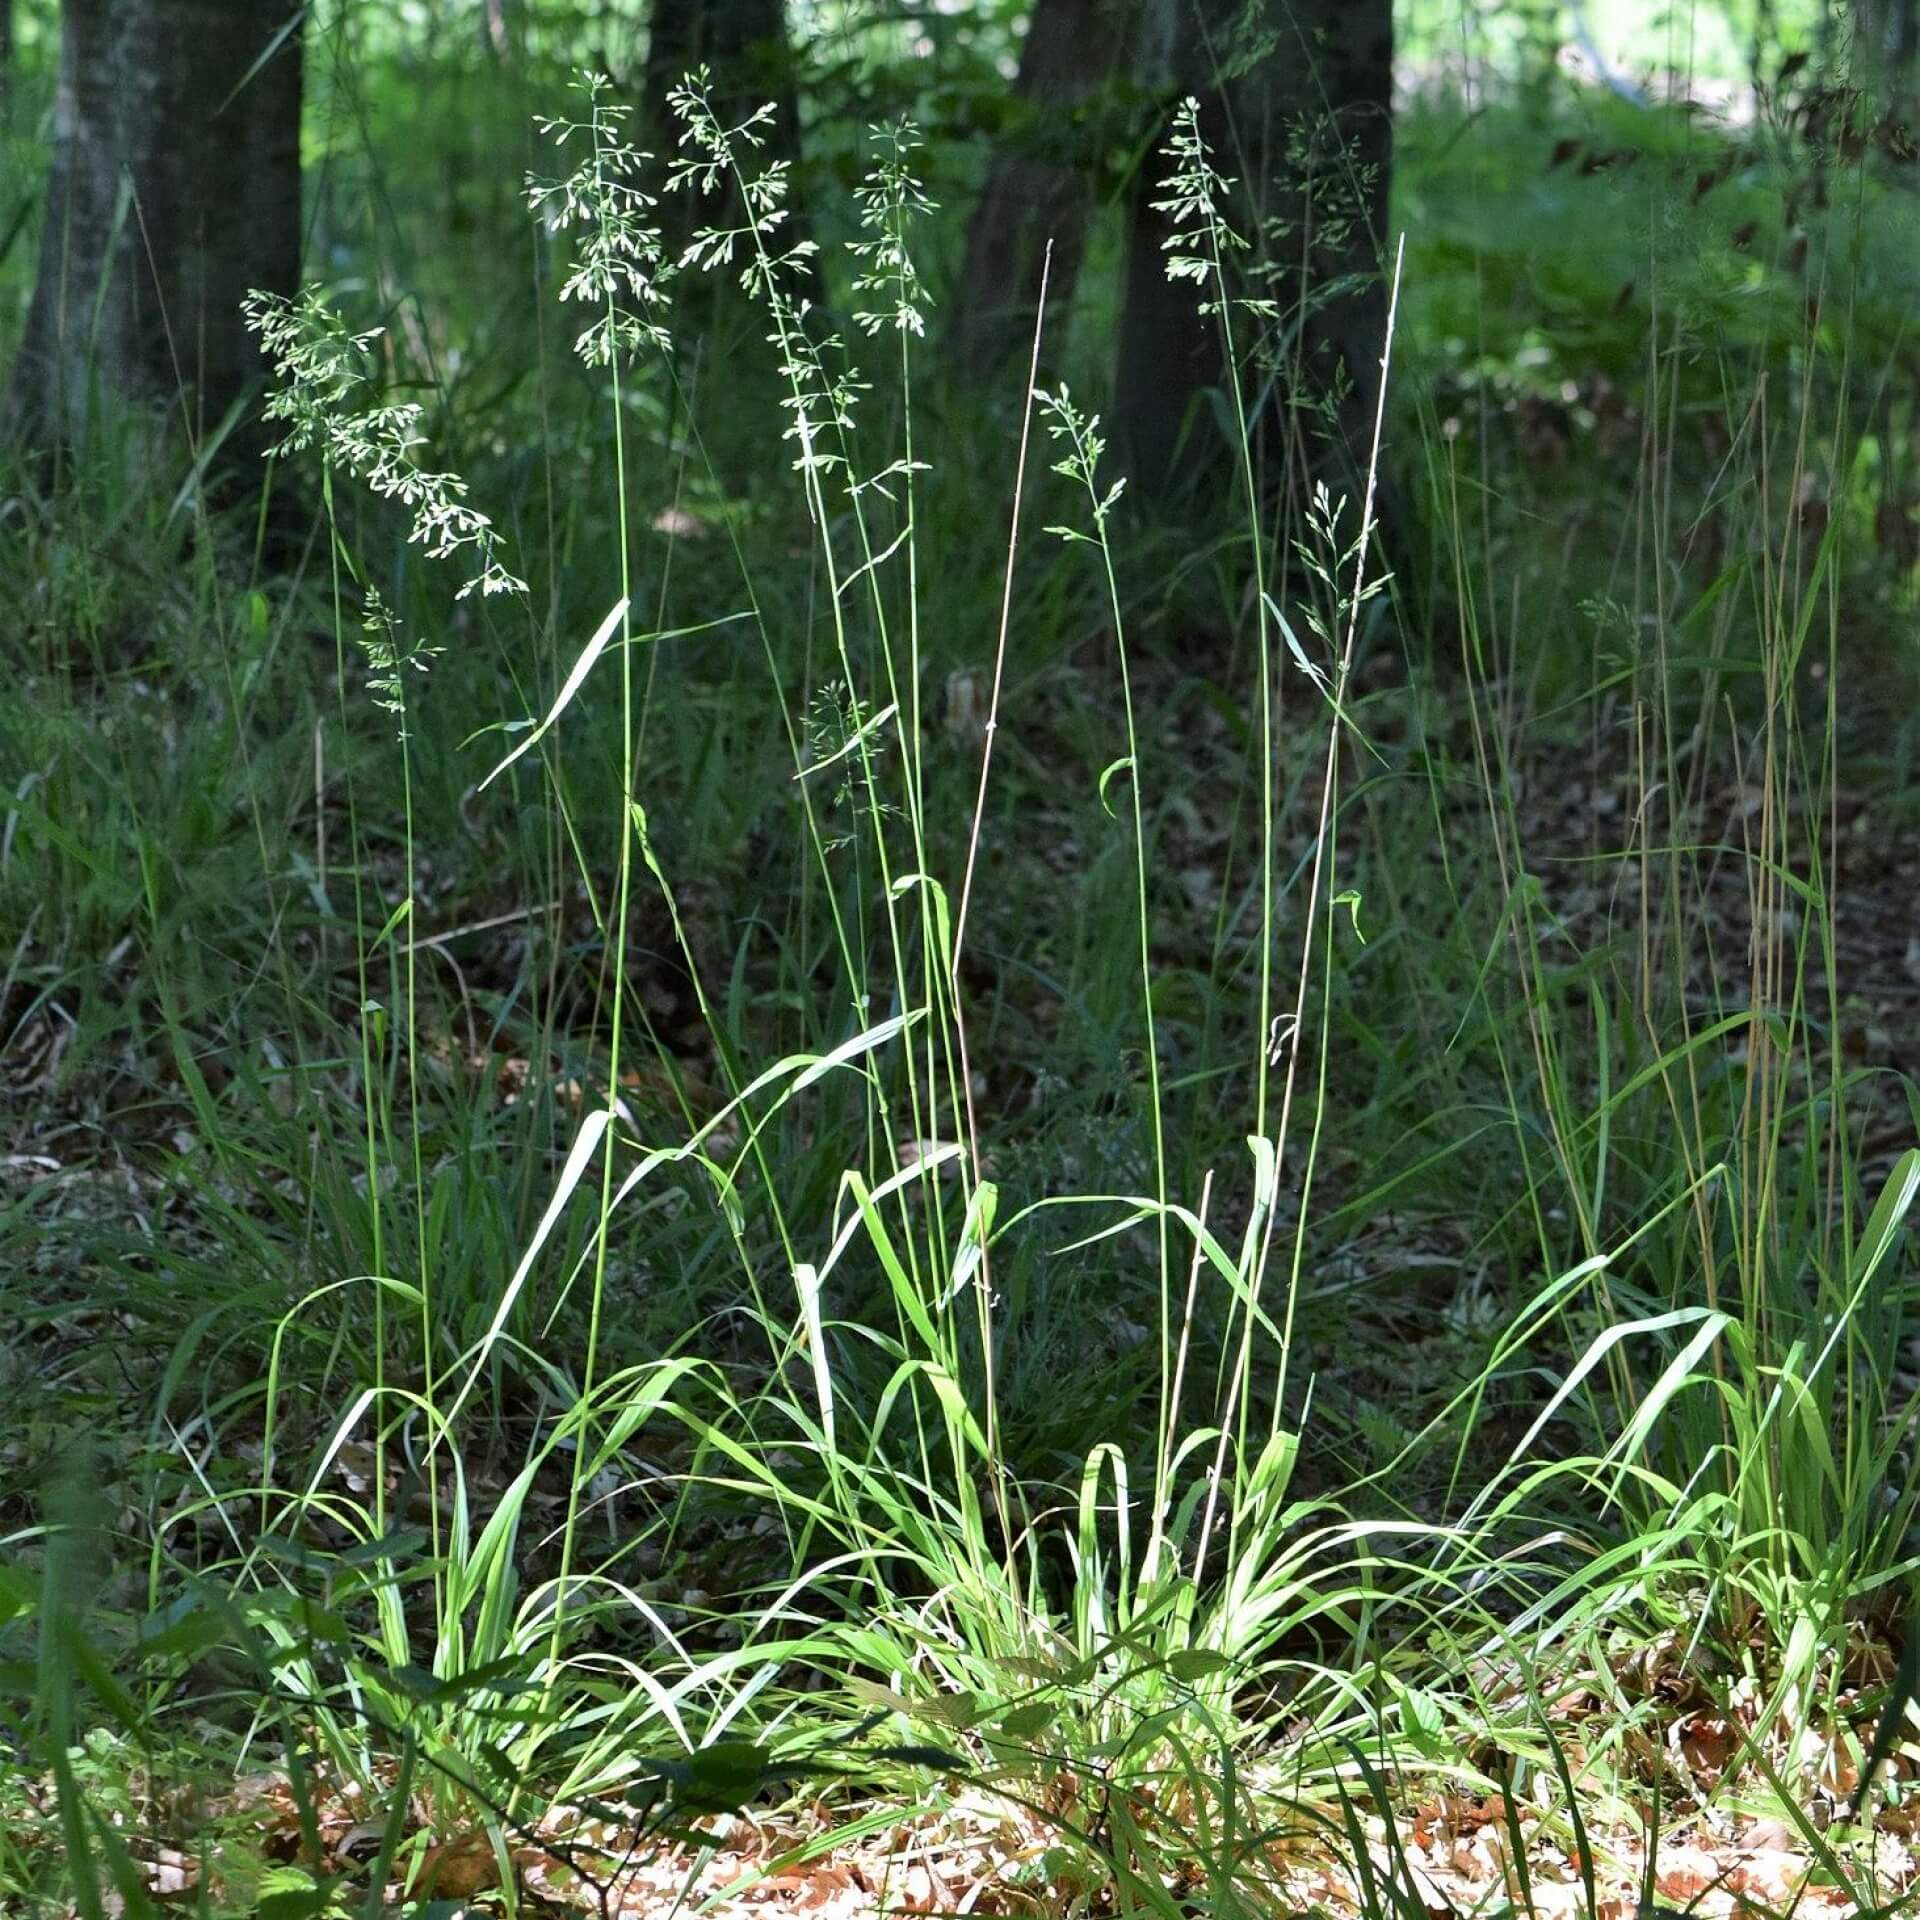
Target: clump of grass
{"points": [[916, 1557]]}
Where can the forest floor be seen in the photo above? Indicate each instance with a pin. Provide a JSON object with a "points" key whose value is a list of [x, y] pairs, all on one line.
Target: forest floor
{"points": [[108, 1159]]}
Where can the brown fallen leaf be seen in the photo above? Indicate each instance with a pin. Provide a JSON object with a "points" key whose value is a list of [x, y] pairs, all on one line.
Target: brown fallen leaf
{"points": [[678, 524], [459, 1867], [1682, 1872], [1772, 1877]]}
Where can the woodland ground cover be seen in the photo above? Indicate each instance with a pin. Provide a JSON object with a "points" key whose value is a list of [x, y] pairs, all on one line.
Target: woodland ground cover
{"points": [[625, 1284]]}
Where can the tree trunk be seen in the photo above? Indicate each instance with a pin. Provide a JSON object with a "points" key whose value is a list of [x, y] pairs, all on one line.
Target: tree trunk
{"points": [[174, 190], [1041, 186], [1886, 39], [1305, 123], [496, 29], [744, 43]]}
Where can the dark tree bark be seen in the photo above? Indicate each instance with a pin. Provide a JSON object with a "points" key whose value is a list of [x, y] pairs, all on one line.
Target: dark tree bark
{"points": [[174, 190], [1041, 186], [1304, 123], [496, 29], [1886, 40], [744, 44]]}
